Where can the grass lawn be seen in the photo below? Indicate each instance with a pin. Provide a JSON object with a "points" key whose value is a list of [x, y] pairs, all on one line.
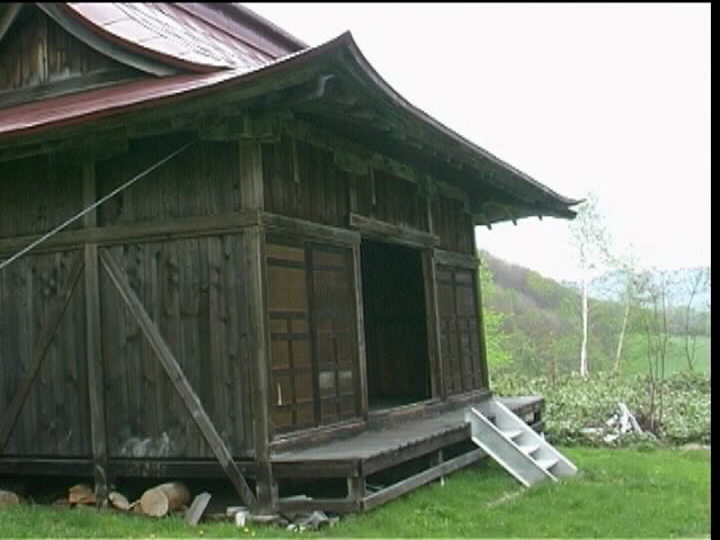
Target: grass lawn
{"points": [[619, 493], [635, 361]]}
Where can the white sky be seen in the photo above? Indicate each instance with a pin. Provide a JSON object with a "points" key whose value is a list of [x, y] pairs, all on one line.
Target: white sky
{"points": [[610, 98]]}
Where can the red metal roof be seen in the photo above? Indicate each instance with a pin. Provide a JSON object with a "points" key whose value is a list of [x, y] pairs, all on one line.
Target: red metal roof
{"points": [[169, 32], [81, 107]]}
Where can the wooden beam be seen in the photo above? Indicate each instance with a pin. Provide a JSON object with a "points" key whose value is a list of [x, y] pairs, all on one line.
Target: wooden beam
{"points": [[150, 231], [457, 259], [96, 386], [56, 313], [177, 377], [422, 478], [381, 230], [347, 149], [309, 229]]}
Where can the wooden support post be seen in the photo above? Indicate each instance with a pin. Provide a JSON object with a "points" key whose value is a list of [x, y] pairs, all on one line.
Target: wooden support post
{"points": [[10, 416], [480, 320], [261, 396], [356, 489], [96, 386], [435, 330], [360, 329], [178, 379], [251, 180]]}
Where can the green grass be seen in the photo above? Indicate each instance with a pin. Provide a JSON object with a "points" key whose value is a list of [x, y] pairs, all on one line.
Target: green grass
{"points": [[634, 359], [618, 493]]}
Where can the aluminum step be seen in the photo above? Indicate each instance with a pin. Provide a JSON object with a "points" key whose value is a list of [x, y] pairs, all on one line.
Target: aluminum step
{"points": [[498, 431]]}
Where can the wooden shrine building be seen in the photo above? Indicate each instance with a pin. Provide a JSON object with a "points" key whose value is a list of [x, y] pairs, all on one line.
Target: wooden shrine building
{"points": [[245, 254]]}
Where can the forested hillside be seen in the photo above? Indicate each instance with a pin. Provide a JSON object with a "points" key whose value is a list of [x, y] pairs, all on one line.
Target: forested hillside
{"points": [[533, 326]]}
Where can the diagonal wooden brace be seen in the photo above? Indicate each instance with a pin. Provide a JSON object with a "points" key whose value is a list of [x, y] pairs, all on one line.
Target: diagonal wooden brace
{"points": [[178, 379], [56, 313]]}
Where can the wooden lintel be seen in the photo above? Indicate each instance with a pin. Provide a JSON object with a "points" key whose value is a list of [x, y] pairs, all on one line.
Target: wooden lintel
{"points": [[10, 415], [153, 231], [374, 228], [177, 377], [456, 259], [308, 229]]}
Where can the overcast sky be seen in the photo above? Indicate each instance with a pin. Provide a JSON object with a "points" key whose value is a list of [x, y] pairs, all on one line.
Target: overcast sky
{"points": [[610, 98]]}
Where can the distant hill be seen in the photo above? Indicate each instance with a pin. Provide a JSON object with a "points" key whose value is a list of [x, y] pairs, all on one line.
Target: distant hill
{"points": [[533, 323]]}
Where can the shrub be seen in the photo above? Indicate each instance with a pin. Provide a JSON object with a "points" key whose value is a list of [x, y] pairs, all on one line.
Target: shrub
{"points": [[573, 404]]}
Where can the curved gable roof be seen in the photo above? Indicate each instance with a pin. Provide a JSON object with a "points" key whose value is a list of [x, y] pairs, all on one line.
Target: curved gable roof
{"points": [[218, 83]]}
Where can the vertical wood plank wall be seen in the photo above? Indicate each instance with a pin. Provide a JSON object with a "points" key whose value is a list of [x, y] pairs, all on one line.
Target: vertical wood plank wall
{"points": [[195, 287], [37, 51]]}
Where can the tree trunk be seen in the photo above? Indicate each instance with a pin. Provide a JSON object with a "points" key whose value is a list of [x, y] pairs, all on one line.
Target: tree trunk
{"points": [[164, 498], [583, 346], [621, 339]]}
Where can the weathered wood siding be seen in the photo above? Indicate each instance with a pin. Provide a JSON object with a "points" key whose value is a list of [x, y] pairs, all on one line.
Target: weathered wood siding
{"points": [[459, 339], [194, 288], [392, 199], [38, 51], [203, 180], [37, 194], [196, 293], [453, 225], [302, 181], [54, 419]]}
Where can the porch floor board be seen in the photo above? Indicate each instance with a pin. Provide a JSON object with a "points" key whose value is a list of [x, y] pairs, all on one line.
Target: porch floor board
{"points": [[379, 449]]}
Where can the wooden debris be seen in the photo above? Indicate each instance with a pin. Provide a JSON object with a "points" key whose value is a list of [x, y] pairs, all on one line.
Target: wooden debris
{"points": [[118, 501], [9, 498], [197, 508], [81, 494], [160, 500]]}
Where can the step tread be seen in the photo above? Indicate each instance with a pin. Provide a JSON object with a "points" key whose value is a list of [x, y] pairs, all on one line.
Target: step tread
{"points": [[546, 463], [529, 448], [512, 433]]}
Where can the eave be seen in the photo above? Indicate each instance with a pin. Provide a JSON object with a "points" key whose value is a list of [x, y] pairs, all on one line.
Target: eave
{"points": [[498, 191]]}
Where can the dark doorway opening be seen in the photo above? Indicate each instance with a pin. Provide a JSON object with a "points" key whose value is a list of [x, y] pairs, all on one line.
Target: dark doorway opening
{"points": [[398, 370]]}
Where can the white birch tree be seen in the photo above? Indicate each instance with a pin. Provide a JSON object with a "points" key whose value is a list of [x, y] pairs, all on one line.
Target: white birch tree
{"points": [[591, 239]]}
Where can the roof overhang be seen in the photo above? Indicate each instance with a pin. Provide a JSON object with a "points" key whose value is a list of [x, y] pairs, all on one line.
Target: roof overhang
{"points": [[399, 126]]}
